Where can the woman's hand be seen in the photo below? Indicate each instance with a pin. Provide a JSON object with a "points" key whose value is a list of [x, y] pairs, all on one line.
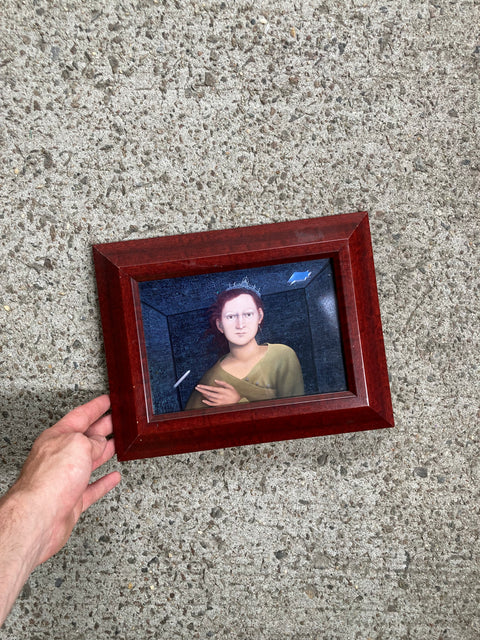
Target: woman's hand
{"points": [[220, 395]]}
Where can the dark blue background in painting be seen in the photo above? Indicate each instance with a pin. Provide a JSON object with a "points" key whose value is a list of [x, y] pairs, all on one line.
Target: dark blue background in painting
{"points": [[303, 316]]}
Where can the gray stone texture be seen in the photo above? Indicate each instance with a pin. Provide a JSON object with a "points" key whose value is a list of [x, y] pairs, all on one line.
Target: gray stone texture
{"points": [[134, 119]]}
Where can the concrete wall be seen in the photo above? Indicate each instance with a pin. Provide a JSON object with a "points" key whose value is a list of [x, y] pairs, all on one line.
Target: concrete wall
{"points": [[124, 120]]}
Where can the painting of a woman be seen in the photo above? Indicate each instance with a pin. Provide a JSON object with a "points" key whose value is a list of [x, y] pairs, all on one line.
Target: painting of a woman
{"points": [[247, 371]]}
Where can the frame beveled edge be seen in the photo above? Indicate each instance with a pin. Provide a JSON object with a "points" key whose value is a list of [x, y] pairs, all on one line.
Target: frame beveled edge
{"points": [[140, 257], [370, 323], [109, 288], [143, 435]]}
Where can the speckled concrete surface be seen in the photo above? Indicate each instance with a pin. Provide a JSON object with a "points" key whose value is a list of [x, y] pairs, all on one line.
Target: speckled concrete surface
{"points": [[134, 119]]}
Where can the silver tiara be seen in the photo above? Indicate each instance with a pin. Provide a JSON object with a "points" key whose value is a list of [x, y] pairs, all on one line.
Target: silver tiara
{"points": [[244, 284]]}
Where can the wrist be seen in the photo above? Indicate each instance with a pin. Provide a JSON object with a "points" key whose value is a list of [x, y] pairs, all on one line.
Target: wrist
{"points": [[23, 521], [21, 540]]}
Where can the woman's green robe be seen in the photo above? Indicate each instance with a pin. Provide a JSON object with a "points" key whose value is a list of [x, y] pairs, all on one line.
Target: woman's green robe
{"points": [[277, 375]]}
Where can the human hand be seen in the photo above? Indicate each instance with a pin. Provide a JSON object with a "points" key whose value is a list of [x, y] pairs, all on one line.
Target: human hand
{"points": [[54, 480], [220, 395]]}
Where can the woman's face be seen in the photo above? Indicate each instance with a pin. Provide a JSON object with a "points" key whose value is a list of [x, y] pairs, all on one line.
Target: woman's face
{"points": [[240, 320]]}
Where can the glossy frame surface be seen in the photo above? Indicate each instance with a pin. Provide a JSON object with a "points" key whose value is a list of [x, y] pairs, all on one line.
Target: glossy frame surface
{"points": [[343, 238]]}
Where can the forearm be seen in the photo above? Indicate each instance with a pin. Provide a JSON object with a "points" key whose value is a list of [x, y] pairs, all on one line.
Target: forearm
{"points": [[20, 545]]}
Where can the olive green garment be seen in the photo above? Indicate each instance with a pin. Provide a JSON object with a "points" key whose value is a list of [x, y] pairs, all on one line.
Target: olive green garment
{"points": [[277, 375]]}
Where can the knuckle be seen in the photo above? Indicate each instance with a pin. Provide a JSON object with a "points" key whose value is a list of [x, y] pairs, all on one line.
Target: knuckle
{"points": [[80, 442]]}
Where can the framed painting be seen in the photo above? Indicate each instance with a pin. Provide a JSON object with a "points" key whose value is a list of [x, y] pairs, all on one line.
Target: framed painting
{"points": [[241, 336]]}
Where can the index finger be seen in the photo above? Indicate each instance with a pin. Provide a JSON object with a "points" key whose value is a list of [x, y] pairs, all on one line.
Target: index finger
{"points": [[102, 427], [206, 387], [80, 418]]}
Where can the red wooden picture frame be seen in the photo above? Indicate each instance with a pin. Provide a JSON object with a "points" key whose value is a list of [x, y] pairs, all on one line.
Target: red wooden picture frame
{"points": [[121, 266]]}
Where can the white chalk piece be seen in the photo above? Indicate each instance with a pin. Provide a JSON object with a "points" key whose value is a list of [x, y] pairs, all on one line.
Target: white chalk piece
{"points": [[181, 379]]}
